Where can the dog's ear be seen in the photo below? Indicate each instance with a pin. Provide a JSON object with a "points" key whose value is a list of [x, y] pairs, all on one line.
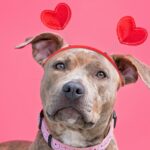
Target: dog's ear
{"points": [[43, 45], [130, 68]]}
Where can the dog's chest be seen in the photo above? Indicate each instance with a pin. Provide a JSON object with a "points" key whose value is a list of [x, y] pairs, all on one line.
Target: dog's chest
{"points": [[73, 138]]}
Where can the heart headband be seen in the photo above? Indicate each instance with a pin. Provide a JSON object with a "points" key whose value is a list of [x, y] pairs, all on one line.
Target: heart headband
{"points": [[127, 31], [91, 49]]}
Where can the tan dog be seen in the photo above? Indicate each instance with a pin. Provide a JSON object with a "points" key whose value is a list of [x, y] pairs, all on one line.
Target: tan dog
{"points": [[78, 92]]}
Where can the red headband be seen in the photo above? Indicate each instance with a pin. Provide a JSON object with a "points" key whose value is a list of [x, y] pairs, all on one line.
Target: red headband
{"points": [[91, 49]]}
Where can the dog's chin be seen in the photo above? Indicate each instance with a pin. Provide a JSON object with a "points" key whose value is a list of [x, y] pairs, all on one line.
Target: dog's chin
{"points": [[72, 118]]}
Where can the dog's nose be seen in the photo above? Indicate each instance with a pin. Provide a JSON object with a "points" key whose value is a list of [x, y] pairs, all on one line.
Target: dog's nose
{"points": [[73, 90]]}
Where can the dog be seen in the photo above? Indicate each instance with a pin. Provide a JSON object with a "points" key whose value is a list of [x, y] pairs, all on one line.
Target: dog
{"points": [[78, 93]]}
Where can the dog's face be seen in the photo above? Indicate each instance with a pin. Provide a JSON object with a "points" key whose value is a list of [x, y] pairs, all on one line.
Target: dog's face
{"points": [[79, 86]]}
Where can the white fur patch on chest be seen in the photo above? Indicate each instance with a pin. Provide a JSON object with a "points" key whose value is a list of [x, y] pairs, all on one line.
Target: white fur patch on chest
{"points": [[73, 138]]}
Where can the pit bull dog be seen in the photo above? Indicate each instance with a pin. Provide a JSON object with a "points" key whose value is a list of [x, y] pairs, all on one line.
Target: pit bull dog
{"points": [[78, 93]]}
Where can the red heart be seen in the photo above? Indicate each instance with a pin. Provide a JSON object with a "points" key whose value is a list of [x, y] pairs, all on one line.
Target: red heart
{"points": [[128, 33], [58, 18]]}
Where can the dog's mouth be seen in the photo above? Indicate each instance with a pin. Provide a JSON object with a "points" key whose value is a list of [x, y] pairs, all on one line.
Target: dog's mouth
{"points": [[71, 116]]}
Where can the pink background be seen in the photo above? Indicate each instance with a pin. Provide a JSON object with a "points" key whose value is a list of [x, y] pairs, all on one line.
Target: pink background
{"points": [[93, 23]]}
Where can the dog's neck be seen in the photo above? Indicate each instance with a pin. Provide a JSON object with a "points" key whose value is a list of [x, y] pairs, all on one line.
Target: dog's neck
{"points": [[81, 138]]}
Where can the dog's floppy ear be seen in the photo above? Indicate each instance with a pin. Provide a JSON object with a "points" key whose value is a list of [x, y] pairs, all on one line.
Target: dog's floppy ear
{"points": [[43, 45], [130, 68]]}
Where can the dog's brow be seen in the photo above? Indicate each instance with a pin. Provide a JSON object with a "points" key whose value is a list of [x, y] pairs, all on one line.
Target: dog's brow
{"points": [[97, 64], [65, 60]]}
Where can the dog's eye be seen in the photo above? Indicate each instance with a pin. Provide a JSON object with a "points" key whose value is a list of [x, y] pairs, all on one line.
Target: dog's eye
{"points": [[60, 66], [101, 74]]}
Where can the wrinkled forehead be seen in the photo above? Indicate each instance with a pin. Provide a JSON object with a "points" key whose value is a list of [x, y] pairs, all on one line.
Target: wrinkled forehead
{"points": [[82, 56]]}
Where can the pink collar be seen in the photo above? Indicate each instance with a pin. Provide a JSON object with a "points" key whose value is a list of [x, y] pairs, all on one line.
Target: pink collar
{"points": [[56, 145]]}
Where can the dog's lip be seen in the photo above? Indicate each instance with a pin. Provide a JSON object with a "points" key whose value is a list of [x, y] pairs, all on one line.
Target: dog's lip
{"points": [[53, 116], [67, 108], [59, 109]]}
